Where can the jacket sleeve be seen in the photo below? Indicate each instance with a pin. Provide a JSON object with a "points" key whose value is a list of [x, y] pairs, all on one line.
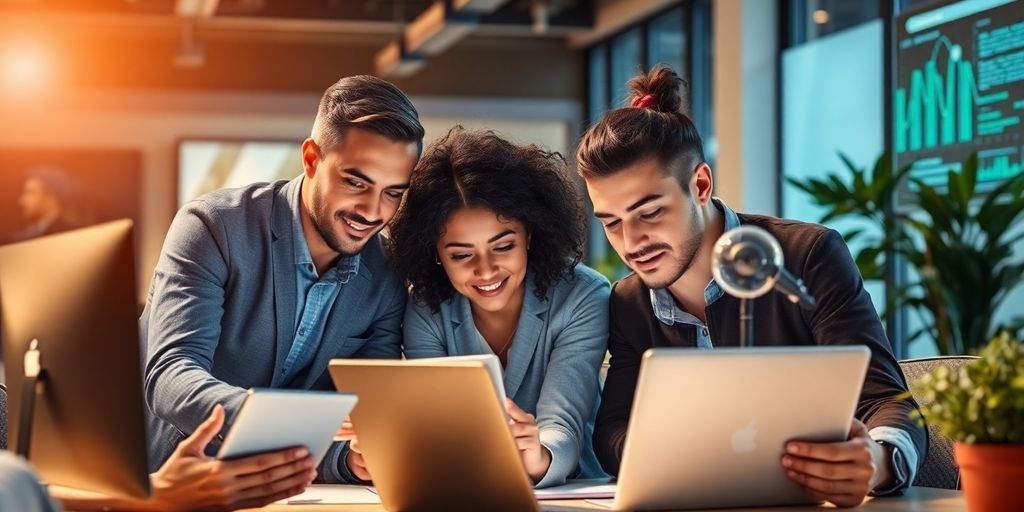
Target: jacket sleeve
{"points": [[845, 315], [619, 387], [182, 330], [569, 393], [421, 335]]}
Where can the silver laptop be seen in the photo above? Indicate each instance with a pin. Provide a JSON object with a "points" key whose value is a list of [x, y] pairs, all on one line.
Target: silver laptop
{"points": [[709, 427]]}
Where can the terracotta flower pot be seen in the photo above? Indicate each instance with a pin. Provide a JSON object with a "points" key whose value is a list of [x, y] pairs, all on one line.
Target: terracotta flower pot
{"points": [[992, 476]]}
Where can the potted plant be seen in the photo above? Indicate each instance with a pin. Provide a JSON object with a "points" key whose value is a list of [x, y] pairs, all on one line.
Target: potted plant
{"points": [[981, 407]]}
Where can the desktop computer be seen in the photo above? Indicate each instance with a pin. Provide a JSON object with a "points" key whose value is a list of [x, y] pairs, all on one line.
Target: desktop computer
{"points": [[68, 310]]}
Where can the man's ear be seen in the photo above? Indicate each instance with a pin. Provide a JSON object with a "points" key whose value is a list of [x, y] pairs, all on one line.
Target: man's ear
{"points": [[310, 157], [703, 183]]}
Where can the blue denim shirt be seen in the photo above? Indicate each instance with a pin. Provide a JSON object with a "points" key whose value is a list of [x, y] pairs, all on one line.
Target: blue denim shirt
{"points": [[315, 295], [665, 307]]}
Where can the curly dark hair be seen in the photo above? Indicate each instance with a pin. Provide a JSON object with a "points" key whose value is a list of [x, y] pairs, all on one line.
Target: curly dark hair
{"points": [[480, 169]]}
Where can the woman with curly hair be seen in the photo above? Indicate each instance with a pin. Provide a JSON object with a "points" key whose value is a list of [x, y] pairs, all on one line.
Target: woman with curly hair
{"points": [[490, 240]]}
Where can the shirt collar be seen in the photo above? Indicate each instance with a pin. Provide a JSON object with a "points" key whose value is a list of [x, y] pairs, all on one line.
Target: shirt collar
{"points": [[346, 266], [665, 308]]}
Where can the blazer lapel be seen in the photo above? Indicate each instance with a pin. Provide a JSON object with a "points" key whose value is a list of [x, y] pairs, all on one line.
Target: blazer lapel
{"points": [[467, 339], [528, 333], [283, 255]]}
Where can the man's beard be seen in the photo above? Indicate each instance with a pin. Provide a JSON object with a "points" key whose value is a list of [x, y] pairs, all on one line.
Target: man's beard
{"points": [[324, 222], [687, 252]]}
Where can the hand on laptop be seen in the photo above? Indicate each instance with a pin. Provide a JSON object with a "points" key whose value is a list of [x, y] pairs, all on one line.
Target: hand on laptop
{"points": [[355, 461], [536, 458], [191, 480], [842, 473]]}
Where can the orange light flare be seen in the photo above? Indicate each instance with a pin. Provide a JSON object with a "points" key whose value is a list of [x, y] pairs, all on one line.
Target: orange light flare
{"points": [[26, 68]]}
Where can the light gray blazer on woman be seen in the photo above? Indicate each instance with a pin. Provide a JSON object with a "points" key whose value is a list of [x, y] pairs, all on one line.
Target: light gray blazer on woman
{"points": [[553, 363]]}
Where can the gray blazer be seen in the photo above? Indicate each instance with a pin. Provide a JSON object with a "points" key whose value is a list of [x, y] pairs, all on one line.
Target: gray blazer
{"points": [[553, 364], [220, 317]]}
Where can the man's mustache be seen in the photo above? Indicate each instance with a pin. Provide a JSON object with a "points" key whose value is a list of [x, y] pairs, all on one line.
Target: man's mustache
{"points": [[359, 219], [647, 250]]}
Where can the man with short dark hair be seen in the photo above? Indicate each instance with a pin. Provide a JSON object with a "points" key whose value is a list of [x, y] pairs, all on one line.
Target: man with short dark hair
{"points": [[261, 286]]}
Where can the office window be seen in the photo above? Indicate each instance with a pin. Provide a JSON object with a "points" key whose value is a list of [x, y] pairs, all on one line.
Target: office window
{"points": [[625, 63], [810, 20], [597, 92], [666, 40], [836, 65], [679, 36]]}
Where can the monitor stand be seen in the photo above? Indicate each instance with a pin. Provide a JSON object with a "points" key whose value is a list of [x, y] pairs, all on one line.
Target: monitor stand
{"points": [[34, 385], [746, 322]]}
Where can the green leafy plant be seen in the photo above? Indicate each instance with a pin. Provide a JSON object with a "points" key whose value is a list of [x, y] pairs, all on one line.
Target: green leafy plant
{"points": [[869, 197], [967, 265], [981, 402], [959, 242]]}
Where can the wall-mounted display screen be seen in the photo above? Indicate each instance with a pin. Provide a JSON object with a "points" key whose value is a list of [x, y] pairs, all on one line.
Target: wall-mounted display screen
{"points": [[960, 89]]}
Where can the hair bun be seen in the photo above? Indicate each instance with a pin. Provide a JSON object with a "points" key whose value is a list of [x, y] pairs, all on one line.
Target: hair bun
{"points": [[658, 89], [645, 101]]}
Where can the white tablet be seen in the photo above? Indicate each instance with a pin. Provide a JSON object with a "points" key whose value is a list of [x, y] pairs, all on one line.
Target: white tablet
{"points": [[274, 419]]}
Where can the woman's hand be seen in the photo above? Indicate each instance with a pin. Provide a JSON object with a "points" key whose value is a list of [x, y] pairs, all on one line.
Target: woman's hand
{"points": [[536, 458]]}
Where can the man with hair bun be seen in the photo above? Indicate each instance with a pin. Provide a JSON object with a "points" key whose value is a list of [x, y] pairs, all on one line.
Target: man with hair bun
{"points": [[651, 188]]}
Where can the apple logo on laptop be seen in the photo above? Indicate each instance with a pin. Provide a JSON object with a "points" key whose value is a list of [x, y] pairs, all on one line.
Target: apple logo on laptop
{"points": [[743, 439]]}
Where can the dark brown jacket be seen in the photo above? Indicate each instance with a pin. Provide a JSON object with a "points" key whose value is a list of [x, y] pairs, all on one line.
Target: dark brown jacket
{"points": [[844, 316]]}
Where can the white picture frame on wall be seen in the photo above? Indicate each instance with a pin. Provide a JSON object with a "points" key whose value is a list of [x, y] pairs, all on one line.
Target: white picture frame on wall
{"points": [[208, 164]]}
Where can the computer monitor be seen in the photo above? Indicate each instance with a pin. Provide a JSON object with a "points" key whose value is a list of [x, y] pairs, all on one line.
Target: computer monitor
{"points": [[75, 294]]}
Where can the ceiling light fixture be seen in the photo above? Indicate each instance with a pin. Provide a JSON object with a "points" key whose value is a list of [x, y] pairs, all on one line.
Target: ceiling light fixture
{"points": [[195, 8], [190, 52], [540, 12]]}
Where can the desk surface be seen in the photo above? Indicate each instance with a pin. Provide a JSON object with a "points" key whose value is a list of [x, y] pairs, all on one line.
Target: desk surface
{"points": [[916, 499]]}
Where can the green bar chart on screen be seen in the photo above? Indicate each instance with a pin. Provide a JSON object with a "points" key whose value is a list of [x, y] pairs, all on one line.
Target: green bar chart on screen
{"points": [[960, 89]]}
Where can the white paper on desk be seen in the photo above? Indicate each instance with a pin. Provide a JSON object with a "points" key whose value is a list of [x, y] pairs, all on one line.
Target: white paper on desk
{"points": [[576, 491], [326, 494]]}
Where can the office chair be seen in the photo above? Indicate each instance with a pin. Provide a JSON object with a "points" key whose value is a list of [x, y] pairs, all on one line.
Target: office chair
{"points": [[939, 468], [3, 416]]}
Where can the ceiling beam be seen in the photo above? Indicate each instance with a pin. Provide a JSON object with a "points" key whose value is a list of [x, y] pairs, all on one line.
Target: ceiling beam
{"points": [[479, 6], [438, 28], [395, 61], [611, 16]]}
